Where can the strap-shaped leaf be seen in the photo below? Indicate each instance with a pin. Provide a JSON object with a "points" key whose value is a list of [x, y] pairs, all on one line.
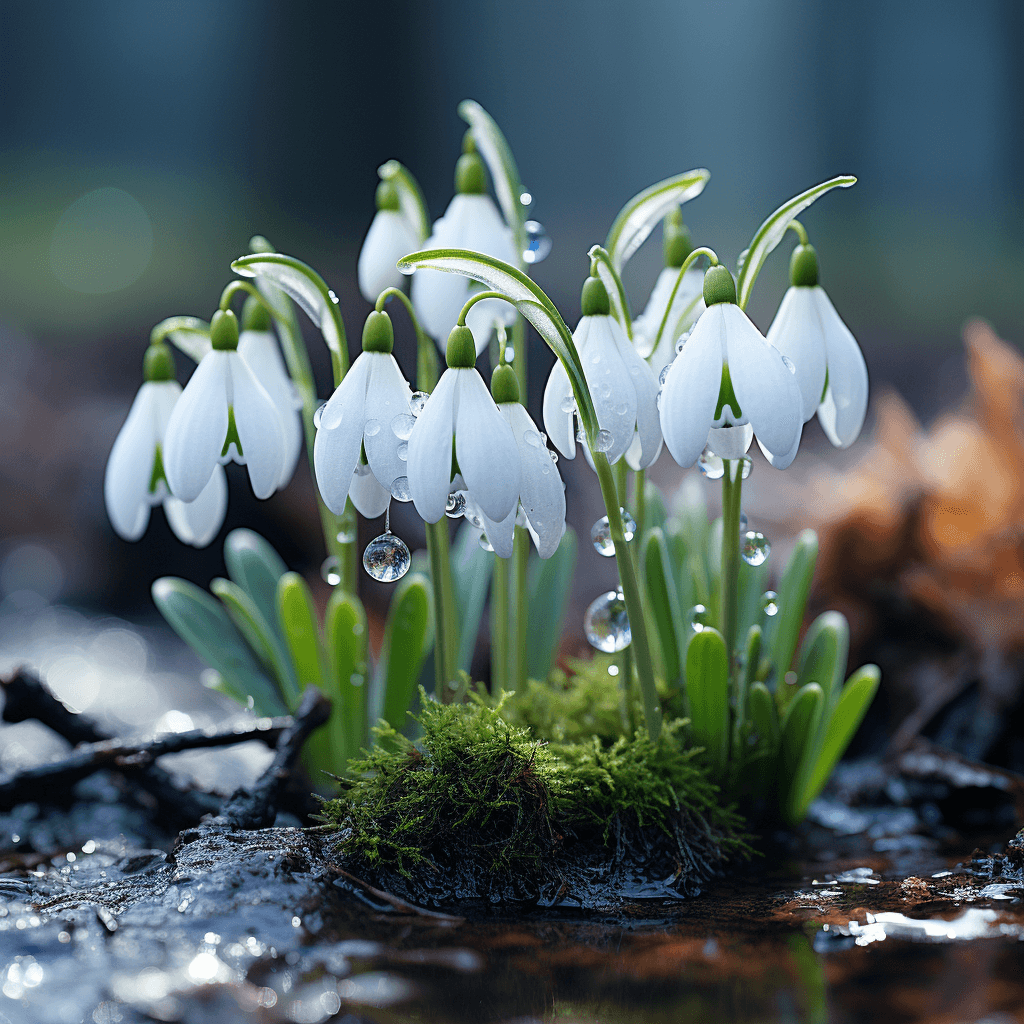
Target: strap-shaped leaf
{"points": [[297, 615], [346, 637], [410, 196], [679, 556], [636, 220], [663, 602], [707, 688], [497, 154], [302, 283], [188, 334], [751, 659], [771, 232], [255, 566], [609, 277], [799, 727], [753, 579], [655, 513], [471, 575], [548, 586], [792, 601], [823, 655], [763, 714], [203, 624], [408, 638]]}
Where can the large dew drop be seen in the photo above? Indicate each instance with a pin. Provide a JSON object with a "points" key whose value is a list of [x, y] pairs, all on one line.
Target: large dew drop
{"points": [[401, 426], [601, 533], [400, 489], [711, 465], [455, 508], [387, 558], [607, 624], [418, 400], [538, 244], [331, 571], [604, 441], [318, 413], [755, 548]]}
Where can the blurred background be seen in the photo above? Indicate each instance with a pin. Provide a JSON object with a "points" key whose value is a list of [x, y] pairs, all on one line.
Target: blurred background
{"points": [[144, 143]]}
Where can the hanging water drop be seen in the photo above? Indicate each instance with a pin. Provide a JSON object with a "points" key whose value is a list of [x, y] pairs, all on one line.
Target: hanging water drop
{"points": [[372, 428], [606, 623], [400, 489], [601, 533], [699, 618], [681, 343], [711, 465], [418, 400], [568, 404], [318, 413], [485, 543], [604, 441], [401, 426], [755, 548], [455, 507], [554, 456], [387, 558], [402, 451], [538, 244], [330, 571], [770, 603], [746, 465]]}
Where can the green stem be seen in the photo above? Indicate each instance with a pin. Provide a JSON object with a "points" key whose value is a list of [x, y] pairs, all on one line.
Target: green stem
{"points": [[798, 229], [520, 612], [712, 259], [500, 621], [479, 297], [732, 485], [640, 502], [232, 288]]}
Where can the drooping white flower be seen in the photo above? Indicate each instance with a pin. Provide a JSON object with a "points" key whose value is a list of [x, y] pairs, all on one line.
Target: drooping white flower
{"points": [[727, 382], [472, 221], [460, 416], [224, 413], [258, 347], [830, 368], [391, 236], [134, 481], [541, 491], [623, 387], [363, 414]]}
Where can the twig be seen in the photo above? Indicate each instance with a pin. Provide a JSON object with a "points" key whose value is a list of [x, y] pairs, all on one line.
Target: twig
{"points": [[395, 901]]}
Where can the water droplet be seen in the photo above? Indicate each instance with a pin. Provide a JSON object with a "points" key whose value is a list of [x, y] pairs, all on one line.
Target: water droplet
{"points": [[743, 521], [746, 465], [699, 618], [621, 409], [510, 354], [568, 404], [400, 489], [664, 374], [755, 548], [401, 426], [356, 679], [613, 670], [318, 413], [418, 400], [473, 517], [526, 198], [581, 435], [456, 505], [372, 428], [485, 543], [789, 364], [387, 558], [605, 390], [601, 533], [535, 438], [538, 244], [347, 535], [711, 465], [657, 400], [603, 441], [554, 457], [403, 450], [681, 343], [770, 603], [331, 571], [607, 624]]}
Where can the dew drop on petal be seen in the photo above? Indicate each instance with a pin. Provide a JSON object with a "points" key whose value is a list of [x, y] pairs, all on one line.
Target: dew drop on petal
{"points": [[711, 465], [604, 441], [485, 543], [347, 535], [699, 618], [538, 244], [473, 517], [755, 548], [331, 571], [681, 343], [418, 400], [657, 400], [535, 438], [568, 404], [621, 409], [601, 533], [387, 558], [789, 364], [606, 623], [318, 414], [664, 373], [746, 465], [401, 426], [456, 505], [372, 428], [400, 489], [605, 390], [581, 435], [554, 456], [770, 603], [403, 450]]}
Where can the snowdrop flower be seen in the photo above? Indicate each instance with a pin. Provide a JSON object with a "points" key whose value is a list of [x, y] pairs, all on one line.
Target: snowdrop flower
{"points": [[224, 413], [258, 347], [727, 384], [472, 221], [830, 369], [390, 237], [623, 386], [461, 431], [365, 414], [134, 480], [541, 491]]}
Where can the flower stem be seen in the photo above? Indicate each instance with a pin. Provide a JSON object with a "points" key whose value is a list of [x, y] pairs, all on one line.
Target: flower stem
{"points": [[520, 611], [640, 501], [500, 622], [799, 230], [732, 485], [712, 260]]}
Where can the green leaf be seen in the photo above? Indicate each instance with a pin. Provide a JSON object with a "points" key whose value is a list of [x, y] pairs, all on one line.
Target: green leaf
{"points": [[548, 586], [663, 603], [751, 659], [655, 514], [263, 638], [203, 624], [792, 601], [799, 726], [680, 559], [302, 283], [256, 567], [707, 688], [297, 615], [636, 220], [752, 582], [346, 637], [771, 232], [410, 196], [408, 637], [609, 276], [471, 579], [497, 153], [823, 655], [763, 714], [188, 334]]}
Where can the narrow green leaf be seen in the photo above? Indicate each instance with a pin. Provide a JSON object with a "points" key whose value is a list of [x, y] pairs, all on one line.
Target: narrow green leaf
{"points": [[410, 196], [497, 154], [753, 580], [751, 659], [188, 334], [707, 687], [663, 603], [471, 579], [205, 626], [548, 585], [763, 714], [609, 276], [408, 637], [823, 655], [297, 615], [771, 232], [655, 514], [346, 637], [636, 220], [256, 567], [680, 561], [792, 601], [799, 726]]}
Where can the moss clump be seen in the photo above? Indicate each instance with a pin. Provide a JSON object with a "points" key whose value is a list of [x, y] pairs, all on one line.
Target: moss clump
{"points": [[479, 808]]}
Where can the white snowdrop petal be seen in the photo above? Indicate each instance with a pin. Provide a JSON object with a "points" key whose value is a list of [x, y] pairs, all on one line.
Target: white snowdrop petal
{"points": [[557, 422], [730, 442], [259, 428], [611, 385], [690, 287], [784, 459], [387, 397], [634, 453], [430, 450], [370, 499], [438, 299], [198, 428], [842, 411], [130, 466], [540, 488], [500, 534], [690, 394], [768, 393], [797, 333], [485, 447], [349, 396], [336, 449], [198, 522], [645, 388], [390, 237]]}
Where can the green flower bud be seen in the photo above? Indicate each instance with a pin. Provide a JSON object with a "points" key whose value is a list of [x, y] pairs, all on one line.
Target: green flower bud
{"points": [[718, 286], [803, 266], [468, 142], [676, 243], [387, 196], [460, 352], [504, 385], [378, 334], [224, 331], [158, 362], [254, 315], [470, 177], [594, 300]]}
